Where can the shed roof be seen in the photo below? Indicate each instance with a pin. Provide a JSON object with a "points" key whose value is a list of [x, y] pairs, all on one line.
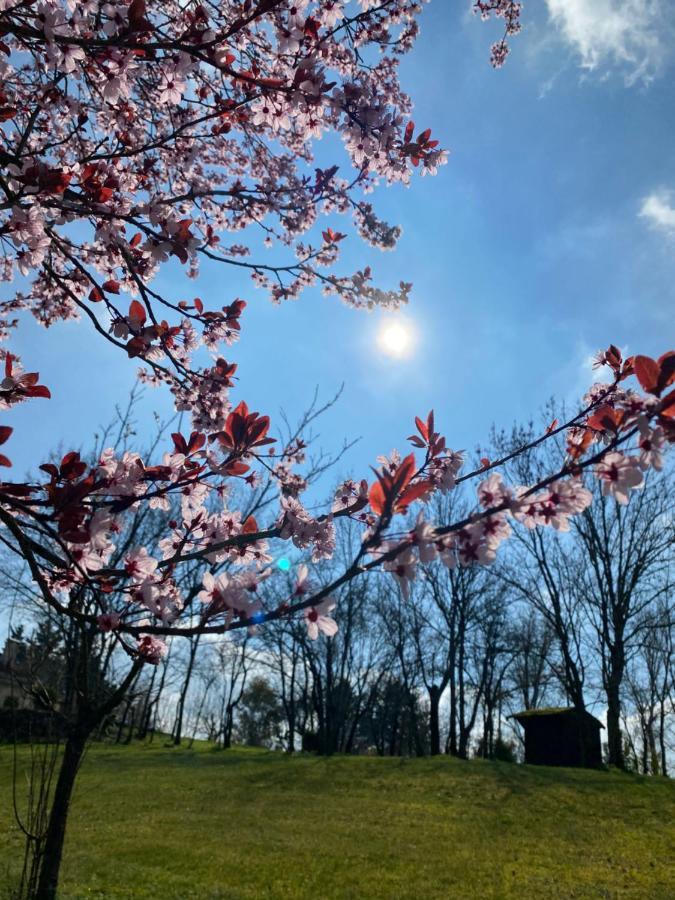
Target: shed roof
{"points": [[551, 712]]}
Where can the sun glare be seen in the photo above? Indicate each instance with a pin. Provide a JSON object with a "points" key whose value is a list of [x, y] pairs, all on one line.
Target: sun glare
{"points": [[395, 338]]}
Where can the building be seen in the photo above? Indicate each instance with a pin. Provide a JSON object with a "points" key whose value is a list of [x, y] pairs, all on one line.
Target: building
{"points": [[28, 680], [30, 687], [561, 737]]}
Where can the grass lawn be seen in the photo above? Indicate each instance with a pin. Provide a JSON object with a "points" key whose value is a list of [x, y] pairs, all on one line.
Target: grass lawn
{"points": [[154, 822]]}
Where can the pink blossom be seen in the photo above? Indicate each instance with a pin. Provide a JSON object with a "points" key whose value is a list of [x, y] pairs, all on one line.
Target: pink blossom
{"points": [[151, 649], [403, 567], [423, 539], [317, 619], [619, 474], [651, 443], [492, 492], [139, 565], [108, 621]]}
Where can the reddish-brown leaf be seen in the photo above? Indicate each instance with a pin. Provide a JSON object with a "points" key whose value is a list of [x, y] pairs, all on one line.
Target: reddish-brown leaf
{"points": [[376, 497], [422, 428], [667, 370], [236, 467], [250, 526], [197, 441], [179, 443], [40, 390], [137, 312], [668, 406], [404, 473], [411, 493], [647, 371]]}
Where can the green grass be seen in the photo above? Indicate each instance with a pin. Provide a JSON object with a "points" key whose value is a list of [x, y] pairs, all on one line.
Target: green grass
{"points": [[153, 822]]}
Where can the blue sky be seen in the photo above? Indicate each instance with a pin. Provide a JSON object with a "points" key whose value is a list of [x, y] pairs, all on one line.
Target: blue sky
{"points": [[550, 233]]}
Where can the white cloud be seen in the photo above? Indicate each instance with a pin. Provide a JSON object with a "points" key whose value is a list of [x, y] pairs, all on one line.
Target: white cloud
{"points": [[659, 211], [633, 36]]}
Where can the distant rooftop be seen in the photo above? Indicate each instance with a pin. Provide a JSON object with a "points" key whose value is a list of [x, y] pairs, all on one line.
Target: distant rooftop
{"points": [[551, 711]]}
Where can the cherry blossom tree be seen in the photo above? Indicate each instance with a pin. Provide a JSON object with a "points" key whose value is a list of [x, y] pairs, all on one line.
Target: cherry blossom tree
{"points": [[139, 134]]}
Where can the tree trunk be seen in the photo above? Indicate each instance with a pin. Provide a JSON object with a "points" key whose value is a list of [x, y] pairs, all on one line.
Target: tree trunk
{"points": [[178, 726], [56, 830], [662, 738], [434, 729], [452, 736], [614, 737]]}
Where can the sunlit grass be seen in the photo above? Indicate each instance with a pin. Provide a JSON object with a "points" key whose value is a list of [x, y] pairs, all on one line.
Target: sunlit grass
{"points": [[154, 822]]}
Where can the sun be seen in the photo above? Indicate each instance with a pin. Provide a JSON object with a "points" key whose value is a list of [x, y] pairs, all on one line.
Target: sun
{"points": [[395, 338]]}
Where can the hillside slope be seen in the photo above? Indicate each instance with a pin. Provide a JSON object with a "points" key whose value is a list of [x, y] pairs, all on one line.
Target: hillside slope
{"points": [[154, 822]]}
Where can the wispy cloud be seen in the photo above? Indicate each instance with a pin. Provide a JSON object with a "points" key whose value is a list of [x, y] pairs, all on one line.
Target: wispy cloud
{"points": [[630, 36], [658, 209]]}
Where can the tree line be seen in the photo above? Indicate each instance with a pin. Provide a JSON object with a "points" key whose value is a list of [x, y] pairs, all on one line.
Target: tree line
{"points": [[581, 618]]}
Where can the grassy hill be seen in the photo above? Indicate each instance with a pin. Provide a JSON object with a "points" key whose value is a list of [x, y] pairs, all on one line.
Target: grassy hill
{"points": [[153, 822]]}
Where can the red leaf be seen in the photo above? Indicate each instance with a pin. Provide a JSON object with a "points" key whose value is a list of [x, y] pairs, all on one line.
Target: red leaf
{"points": [[5, 432], [40, 390], [422, 428], [667, 373], [197, 441], [95, 295], [112, 286], [485, 462], [137, 20], [404, 473], [416, 441], [179, 443], [668, 406], [411, 493], [250, 526], [376, 498], [236, 468], [137, 312], [605, 419], [647, 371], [552, 427], [199, 306], [5, 461]]}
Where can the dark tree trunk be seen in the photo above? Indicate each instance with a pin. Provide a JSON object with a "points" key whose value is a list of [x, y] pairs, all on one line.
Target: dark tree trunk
{"points": [[614, 737], [662, 738], [227, 728], [178, 725], [79, 733], [434, 729], [452, 736], [146, 710], [56, 830]]}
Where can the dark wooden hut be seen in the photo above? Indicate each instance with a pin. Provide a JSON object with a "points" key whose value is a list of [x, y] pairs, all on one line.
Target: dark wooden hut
{"points": [[561, 737]]}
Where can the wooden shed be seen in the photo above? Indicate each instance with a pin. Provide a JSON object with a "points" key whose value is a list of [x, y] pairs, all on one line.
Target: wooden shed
{"points": [[561, 737]]}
